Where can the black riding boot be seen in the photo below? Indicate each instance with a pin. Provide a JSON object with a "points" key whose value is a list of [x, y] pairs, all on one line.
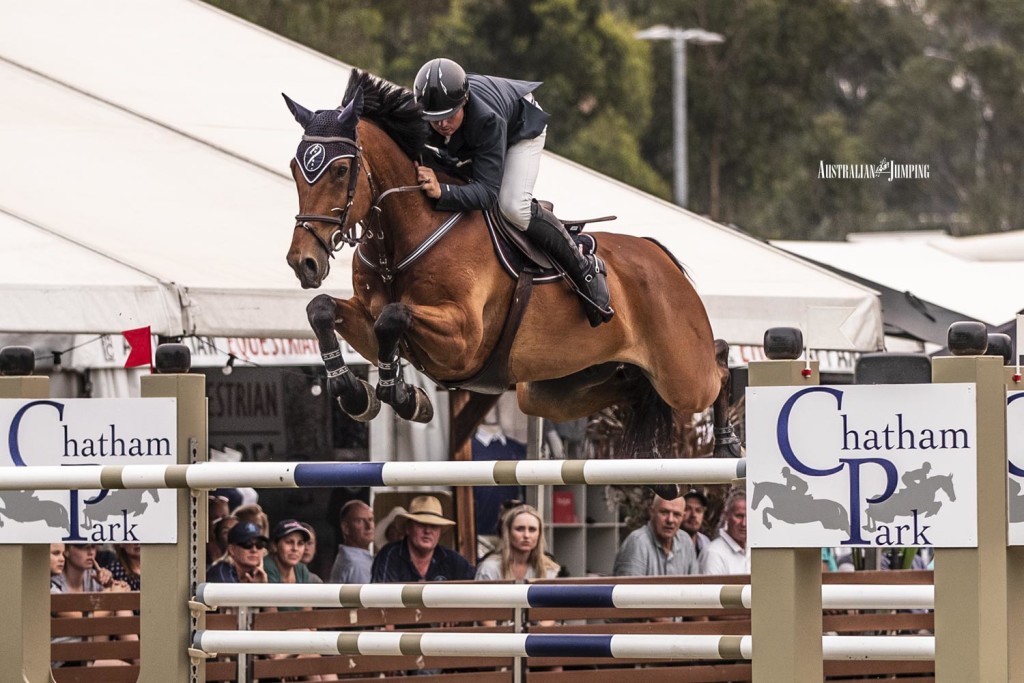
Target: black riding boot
{"points": [[587, 272]]}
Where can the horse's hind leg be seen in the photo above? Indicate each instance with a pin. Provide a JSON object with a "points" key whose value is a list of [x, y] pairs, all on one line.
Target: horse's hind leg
{"points": [[410, 403], [727, 445], [354, 395]]}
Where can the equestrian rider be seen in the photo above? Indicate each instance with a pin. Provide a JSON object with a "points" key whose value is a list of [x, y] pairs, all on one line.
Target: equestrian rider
{"points": [[490, 131]]}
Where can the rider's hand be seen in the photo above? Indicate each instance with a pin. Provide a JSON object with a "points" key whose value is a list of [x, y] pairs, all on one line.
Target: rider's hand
{"points": [[428, 181]]}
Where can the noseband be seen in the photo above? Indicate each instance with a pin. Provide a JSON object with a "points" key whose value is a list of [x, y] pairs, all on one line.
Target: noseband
{"points": [[341, 235]]}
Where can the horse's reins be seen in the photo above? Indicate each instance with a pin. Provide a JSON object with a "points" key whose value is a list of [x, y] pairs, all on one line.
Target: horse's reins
{"points": [[343, 235]]}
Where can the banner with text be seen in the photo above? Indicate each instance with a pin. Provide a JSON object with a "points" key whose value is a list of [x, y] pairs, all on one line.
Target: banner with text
{"points": [[867, 466], [84, 433]]}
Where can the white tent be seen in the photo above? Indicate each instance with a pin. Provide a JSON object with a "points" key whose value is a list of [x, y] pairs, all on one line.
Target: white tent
{"points": [[978, 277], [150, 142]]}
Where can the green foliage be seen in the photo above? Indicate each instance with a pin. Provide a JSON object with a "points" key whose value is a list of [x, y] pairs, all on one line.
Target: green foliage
{"points": [[794, 85]]}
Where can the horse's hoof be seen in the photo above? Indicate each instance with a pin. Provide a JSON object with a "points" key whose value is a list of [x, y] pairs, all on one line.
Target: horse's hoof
{"points": [[424, 411], [727, 444], [665, 491], [372, 404]]}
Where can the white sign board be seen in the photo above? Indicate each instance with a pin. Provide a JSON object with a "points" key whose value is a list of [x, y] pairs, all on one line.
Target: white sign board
{"points": [[1015, 466], [85, 433], [862, 466]]}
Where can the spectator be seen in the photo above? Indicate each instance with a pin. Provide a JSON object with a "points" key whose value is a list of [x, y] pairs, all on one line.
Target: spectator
{"points": [[243, 562], [520, 553], [354, 560], [219, 508], [310, 553], [418, 557], [660, 547], [252, 512], [695, 503], [56, 559], [728, 554], [219, 547], [390, 529], [82, 575], [126, 564], [284, 562]]}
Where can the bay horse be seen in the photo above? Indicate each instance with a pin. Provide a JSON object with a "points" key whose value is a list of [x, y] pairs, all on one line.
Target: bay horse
{"points": [[428, 289]]}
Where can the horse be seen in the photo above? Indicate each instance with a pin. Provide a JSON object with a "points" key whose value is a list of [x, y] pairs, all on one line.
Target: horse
{"points": [[116, 502], [24, 506], [923, 497], [796, 508], [427, 289]]}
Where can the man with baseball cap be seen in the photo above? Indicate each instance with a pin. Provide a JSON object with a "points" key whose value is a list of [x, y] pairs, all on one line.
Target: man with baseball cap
{"points": [[693, 518], [243, 562], [418, 557]]}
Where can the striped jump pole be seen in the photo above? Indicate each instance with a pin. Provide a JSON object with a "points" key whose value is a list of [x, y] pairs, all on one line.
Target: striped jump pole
{"points": [[512, 596], [624, 646], [339, 474]]}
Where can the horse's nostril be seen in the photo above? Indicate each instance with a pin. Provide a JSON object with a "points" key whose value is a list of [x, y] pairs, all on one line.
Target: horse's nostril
{"points": [[310, 266]]}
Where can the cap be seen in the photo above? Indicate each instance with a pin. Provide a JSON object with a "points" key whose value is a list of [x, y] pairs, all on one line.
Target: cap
{"points": [[288, 526], [694, 493], [245, 532]]}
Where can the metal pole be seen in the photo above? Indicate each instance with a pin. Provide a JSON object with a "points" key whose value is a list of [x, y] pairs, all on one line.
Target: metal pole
{"points": [[679, 116]]}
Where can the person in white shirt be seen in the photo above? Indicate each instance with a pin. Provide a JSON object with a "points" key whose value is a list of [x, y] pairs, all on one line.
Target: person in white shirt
{"points": [[728, 553]]}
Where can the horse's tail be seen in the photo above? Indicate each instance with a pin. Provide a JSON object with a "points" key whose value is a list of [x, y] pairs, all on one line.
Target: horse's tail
{"points": [[648, 425]]}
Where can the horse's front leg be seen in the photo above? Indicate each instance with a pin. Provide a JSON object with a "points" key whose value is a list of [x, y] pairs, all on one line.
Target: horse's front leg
{"points": [[354, 395], [410, 403]]}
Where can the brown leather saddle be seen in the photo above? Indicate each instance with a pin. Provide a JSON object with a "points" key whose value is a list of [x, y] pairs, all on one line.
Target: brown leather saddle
{"points": [[528, 265]]}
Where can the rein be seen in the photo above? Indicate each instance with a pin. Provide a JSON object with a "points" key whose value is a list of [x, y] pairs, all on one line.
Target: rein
{"points": [[343, 235]]}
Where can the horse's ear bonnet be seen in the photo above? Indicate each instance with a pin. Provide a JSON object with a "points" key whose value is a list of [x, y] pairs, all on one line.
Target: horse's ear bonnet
{"points": [[329, 135]]}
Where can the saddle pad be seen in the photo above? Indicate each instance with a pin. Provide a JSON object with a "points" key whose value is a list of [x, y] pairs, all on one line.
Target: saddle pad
{"points": [[512, 258]]}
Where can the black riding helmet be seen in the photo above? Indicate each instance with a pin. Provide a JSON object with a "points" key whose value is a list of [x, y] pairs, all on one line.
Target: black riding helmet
{"points": [[441, 88]]}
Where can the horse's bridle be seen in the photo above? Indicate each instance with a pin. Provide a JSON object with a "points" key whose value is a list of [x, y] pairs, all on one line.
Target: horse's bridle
{"points": [[341, 235]]}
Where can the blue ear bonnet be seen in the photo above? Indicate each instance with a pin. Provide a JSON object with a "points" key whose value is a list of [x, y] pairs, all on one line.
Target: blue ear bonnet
{"points": [[320, 145]]}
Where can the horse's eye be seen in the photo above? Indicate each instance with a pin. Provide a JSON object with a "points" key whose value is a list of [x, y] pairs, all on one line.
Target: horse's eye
{"points": [[342, 170]]}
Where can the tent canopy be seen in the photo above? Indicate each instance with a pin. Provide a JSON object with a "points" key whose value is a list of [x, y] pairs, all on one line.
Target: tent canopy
{"points": [[145, 176], [968, 276]]}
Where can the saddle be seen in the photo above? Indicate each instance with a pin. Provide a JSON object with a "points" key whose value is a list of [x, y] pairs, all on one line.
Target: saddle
{"points": [[526, 264], [516, 253]]}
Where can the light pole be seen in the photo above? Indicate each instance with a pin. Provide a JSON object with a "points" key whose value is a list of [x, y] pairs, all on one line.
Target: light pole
{"points": [[679, 37]]}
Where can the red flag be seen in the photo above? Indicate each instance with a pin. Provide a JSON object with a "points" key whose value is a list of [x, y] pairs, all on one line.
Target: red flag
{"points": [[141, 342]]}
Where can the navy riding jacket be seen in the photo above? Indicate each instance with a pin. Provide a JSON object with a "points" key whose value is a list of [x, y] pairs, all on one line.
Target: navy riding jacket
{"points": [[496, 118]]}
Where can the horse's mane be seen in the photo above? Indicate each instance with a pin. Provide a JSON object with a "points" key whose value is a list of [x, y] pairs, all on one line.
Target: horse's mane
{"points": [[392, 107]]}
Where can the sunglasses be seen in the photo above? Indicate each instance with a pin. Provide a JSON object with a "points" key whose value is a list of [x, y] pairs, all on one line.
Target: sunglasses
{"points": [[262, 545]]}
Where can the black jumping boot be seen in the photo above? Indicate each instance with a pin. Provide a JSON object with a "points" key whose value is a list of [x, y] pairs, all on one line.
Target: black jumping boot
{"points": [[586, 272]]}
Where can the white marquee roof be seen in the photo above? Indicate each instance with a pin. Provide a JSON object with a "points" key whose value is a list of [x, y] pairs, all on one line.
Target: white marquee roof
{"points": [[971, 275], [144, 180]]}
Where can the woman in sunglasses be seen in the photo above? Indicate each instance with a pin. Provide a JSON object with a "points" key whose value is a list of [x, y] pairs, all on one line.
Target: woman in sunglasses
{"points": [[243, 562]]}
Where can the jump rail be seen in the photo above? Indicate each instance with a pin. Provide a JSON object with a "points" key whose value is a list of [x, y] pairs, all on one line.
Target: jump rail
{"points": [[498, 596], [338, 474], [899, 648]]}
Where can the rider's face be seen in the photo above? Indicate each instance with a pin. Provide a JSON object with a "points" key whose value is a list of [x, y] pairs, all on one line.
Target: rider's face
{"points": [[448, 126]]}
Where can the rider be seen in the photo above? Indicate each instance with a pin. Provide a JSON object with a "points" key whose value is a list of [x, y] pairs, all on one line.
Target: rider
{"points": [[912, 478], [490, 131], [793, 482]]}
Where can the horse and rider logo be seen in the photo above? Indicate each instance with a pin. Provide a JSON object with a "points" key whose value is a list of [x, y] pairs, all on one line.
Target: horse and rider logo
{"points": [[314, 157], [792, 503]]}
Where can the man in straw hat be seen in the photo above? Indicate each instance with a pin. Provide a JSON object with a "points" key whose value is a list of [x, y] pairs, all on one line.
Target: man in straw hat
{"points": [[418, 557]]}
